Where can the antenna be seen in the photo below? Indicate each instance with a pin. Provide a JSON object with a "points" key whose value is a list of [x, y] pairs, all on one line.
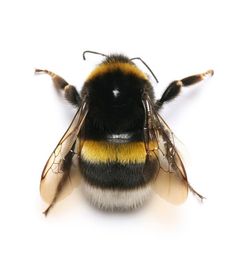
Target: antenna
{"points": [[92, 52], [140, 59]]}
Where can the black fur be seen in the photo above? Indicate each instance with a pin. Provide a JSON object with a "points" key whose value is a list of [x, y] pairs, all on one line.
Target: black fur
{"points": [[116, 58], [116, 175], [109, 114]]}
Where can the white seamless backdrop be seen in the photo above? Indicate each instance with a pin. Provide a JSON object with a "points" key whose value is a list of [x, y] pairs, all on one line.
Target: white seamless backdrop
{"points": [[176, 39]]}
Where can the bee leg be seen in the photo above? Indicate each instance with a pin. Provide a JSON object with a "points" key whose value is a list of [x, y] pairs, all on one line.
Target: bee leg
{"points": [[70, 91], [174, 88]]}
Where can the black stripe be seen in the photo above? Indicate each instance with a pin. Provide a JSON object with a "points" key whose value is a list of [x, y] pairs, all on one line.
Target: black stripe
{"points": [[117, 175]]}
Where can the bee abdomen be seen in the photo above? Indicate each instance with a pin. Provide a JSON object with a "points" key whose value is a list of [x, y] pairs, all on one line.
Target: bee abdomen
{"points": [[113, 174]]}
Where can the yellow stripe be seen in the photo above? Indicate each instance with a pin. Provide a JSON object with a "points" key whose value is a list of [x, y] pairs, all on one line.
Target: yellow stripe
{"points": [[102, 151], [127, 68]]}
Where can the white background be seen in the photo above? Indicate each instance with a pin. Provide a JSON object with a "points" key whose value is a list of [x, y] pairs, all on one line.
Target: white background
{"points": [[176, 39]]}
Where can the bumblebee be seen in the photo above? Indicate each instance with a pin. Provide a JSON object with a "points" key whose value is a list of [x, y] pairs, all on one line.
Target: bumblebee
{"points": [[117, 148]]}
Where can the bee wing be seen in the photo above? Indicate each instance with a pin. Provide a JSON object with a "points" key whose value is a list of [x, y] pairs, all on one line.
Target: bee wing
{"points": [[171, 182], [58, 176]]}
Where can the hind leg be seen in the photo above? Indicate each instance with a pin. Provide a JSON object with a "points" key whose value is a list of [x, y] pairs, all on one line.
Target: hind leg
{"points": [[70, 92]]}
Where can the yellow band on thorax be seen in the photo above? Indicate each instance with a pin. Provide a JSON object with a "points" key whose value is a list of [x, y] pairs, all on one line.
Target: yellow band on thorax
{"points": [[127, 68]]}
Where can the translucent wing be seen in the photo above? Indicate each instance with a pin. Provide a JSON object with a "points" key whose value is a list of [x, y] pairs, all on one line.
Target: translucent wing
{"points": [[171, 182], [58, 177]]}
